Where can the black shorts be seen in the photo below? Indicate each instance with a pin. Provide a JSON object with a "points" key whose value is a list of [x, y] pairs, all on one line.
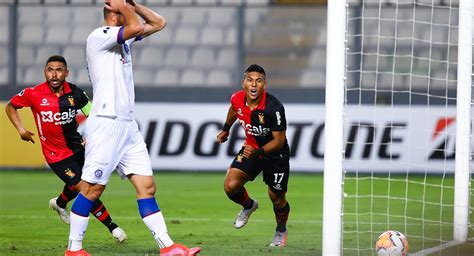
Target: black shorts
{"points": [[69, 170], [276, 171]]}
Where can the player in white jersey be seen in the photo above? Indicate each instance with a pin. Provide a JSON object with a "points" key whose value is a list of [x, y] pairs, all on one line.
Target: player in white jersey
{"points": [[111, 134]]}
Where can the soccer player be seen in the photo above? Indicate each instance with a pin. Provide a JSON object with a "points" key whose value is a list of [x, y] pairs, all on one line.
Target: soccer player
{"points": [[54, 104], [112, 135], [265, 149]]}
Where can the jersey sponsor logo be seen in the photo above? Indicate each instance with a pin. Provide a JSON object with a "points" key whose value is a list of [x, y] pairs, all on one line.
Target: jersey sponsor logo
{"points": [[126, 49], [44, 102], [278, 117], [106, 30], [59, 118], [256, 131]]}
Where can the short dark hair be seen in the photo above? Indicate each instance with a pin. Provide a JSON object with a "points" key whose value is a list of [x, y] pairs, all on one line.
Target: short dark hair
{"points": [[58, 58], [255, 68]]}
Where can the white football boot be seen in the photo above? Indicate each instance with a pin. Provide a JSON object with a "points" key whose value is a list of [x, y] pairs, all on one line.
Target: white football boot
{"points": [[62, 212], [119, 235], [244, 214], [279, 240]]}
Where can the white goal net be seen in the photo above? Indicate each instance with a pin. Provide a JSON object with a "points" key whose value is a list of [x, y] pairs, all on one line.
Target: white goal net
{"points": [[401, 94]]}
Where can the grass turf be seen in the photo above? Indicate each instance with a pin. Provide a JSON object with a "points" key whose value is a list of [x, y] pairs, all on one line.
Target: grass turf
{"points": [[198, 213], [195, 207]]}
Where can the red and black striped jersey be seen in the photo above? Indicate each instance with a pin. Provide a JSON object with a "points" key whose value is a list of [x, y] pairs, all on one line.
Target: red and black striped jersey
{"points": [[55, 118], [259, 123]]}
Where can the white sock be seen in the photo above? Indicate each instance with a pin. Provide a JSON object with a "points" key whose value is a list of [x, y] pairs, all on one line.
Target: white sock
{"points": [[156, 223], [77, 231]]}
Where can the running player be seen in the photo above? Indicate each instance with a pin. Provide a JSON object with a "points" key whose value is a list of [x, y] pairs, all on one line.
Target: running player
{"points": [[112, 135], [265, 149], [54, 104]]}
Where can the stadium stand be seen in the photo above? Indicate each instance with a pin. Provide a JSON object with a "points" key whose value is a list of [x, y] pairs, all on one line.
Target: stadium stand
{"points": [[201, 46]]}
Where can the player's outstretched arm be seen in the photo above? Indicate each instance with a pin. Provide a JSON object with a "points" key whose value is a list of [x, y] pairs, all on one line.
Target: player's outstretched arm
{"points": [[15, 119], [153, 21]]}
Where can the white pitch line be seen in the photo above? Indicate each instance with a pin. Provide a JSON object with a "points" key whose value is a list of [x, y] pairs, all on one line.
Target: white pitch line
{"points": [[436, 248]]}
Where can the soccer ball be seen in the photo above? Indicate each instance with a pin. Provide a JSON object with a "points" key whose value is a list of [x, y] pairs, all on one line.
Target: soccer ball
{"points": [[391, 243]]}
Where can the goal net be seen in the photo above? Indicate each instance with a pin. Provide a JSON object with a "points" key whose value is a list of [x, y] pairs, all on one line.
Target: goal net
{"points": [[404, 86]]}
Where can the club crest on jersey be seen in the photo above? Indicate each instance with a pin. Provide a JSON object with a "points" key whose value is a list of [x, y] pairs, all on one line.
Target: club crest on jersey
{"points": [[261, 118], [69, 173], [71, 101], [240, 157]]}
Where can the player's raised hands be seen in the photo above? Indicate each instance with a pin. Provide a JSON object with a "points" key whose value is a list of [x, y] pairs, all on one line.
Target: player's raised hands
{"points": [[115, 5], [27, 135]]}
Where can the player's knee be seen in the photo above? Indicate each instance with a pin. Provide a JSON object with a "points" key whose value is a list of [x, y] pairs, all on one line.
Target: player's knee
{"points": [[147, 190], [92, 191], [231, 186]]}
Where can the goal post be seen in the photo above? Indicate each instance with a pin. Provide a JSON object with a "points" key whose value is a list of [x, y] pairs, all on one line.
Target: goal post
{"points": [[335, 68], [463, 122], [398, 124]]}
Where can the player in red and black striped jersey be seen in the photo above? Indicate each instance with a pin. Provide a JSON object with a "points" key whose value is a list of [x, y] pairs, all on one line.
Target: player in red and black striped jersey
{"points": [[54, 104], [265, 150]]}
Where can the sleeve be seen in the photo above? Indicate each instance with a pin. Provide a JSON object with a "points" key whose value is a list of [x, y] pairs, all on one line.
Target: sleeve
{"points": [[232, 100], [278, 120], [86, 110], [83, 102], [22, 99], [82, 98], [104, 38]]}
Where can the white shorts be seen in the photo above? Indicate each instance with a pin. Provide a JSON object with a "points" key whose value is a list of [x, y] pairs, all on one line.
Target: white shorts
{"points": [[111, 143]]}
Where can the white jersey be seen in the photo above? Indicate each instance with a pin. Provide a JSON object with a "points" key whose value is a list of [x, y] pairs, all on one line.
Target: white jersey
{"points": [[110, 70]]}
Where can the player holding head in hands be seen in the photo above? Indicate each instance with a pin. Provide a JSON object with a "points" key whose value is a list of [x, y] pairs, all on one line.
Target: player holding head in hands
{"points": [[112, 135], [54, 104], [265, 149]]}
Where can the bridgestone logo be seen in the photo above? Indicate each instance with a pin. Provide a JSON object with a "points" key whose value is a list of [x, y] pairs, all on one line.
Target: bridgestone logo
{"points": [[58, 118]]}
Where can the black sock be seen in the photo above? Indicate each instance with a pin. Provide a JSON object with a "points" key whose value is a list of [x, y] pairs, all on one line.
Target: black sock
{"points": [[66, 195], [281, 216], [101, 213], [242, 198]]}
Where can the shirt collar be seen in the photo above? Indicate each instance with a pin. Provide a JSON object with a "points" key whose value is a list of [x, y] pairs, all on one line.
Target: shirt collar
{"points": [[261, 104]]}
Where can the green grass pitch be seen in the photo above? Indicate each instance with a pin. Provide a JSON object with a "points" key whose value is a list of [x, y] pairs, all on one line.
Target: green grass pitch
{"points": [[198, 213], [195, 207]]}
